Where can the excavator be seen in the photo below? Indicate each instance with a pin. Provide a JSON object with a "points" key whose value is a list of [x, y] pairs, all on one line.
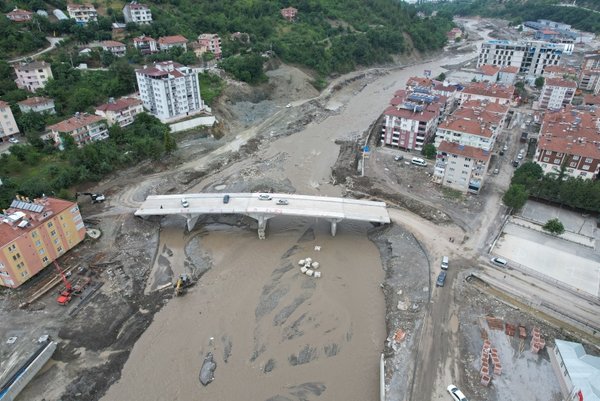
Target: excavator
{"points": [[96, 198], [181, 284], [65, 295]]}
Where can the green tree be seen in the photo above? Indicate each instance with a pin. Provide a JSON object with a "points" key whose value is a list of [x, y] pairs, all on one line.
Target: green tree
{"points": [[515, 197], [554, 226], [429, 151], [539, 82]]}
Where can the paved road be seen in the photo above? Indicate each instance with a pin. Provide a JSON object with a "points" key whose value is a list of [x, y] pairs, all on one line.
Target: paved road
{"points": [[53, 43]]}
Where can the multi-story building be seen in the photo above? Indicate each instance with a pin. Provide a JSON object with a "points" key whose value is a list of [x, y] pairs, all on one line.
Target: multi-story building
{"points": [[145, 44], [556, 93], [461, 167], [167, 42], [530, 57], [289, 13], [475, 123], [558, 71], [82, 13], [487, 73], [589, 80], [209, 42], [169, 90], [33, 234], [32, 76], [18, 15], [116, 48], [570, 138], [83, 127], [37, 104], [121, 111], [484, 91], [137, 13], [8, 125], [578, 373], [411, 119], [508, 75]]}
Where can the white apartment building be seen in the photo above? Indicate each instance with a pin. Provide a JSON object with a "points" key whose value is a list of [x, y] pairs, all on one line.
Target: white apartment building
{"points": [[530, 57], [169, 90], [37, 104], [121, 111], [83, 127], [116, 48], [137, 13], [145, 44], [8, 125], [556, 93], [32, 76], [82, 13], [461, 167]]}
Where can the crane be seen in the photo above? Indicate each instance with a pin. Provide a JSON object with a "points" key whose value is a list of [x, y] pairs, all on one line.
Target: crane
{"points": [[65, 295]]}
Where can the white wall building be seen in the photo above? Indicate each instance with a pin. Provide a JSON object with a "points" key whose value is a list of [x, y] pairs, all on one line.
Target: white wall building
{"points": [[37, 104], [121, 111], [32, 76], [137, 13], [461, 167], [82, 127], [8, 125], [578, 373], [82, 13], [556, 93], [169, 90]]}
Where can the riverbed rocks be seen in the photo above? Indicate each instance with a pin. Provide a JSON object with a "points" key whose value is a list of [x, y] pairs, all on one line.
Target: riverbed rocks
{"points": [[207, 372]]}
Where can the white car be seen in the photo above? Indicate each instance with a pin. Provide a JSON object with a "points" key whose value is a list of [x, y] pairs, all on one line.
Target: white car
{"points": [[456, 393], [499, 261], [283, 202], [264, 197], [13, 140], [185, 203], [418, 161]]}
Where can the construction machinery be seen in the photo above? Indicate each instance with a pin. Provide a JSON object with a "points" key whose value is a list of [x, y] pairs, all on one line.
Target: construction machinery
{"points": [[64, 295], [181, 284], [96, 198]]}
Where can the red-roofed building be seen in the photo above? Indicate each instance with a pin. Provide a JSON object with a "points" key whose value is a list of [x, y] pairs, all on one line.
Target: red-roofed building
{"points": [[461, 167], [33, 234], [289, 13], [556, 93], [494, 93], [454, 34], [82, 13], [167, 42], [18, 15], [83, 127], [209, 42], [558, 71], [571, 138], [591, 100], [37, 104], [487, 73], [145, 44], [121, 111], [116, 48], [508, 75]]}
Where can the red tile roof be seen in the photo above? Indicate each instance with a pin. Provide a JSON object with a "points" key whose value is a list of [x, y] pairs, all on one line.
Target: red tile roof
{"points": [[170, 40], [120, 104], [74, 123], [431, 112], [112, 43], [419, 81], [3, 104], [18, 15], [511, 69], [563, 83], [559, 69], [571, 131], [36, 100], [490, 90], [144, 39], [464, 150], [489, 70], [138, 6], [591, 99]]}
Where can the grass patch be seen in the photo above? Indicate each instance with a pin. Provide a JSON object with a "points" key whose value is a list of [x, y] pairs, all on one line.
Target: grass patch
{"points": [[452, 194], [211, 87]]}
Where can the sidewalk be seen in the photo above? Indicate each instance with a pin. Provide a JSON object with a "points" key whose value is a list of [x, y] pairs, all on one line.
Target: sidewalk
{"points": [[567, 235]]}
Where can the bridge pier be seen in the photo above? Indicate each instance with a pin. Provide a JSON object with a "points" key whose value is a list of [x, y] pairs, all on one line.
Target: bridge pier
{"points": [[334, 226], [191, 221], [262, 223]]}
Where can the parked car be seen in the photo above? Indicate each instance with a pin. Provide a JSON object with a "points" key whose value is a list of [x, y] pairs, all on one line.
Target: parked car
{"points": [[184, 202], [13, 140], [499, 261], [505, 148], [398, 158], [282, 202], [441, 279], [496, 171], [519, 156], [515, 163], [226, 199], [456, 394], [264, 197], [501, 153], [445, 262], [418, 161]]}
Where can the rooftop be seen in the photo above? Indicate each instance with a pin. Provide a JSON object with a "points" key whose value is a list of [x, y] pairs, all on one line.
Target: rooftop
{"points": [[36, 100], [583, 369], [591, 99], [112, 43], [489, 70], [80, 7], [571, 131], [76, 122], [119, 104], [162, 70], [31, 66], [490, 90], [464, 150], [144, 39], [559, 69], [511, 69], [560, 82], [137, 6], [169, 40]]}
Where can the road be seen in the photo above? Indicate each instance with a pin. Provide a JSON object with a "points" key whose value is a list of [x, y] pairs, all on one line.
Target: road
{"points": [[53, 43]]}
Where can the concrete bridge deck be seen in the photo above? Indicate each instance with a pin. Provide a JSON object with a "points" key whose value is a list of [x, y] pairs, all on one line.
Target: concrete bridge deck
{"points": [[250, 204]]}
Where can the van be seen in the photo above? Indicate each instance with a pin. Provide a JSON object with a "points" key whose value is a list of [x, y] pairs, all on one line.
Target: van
{"points": [[445, 262], [499, 261], [418, 161]]}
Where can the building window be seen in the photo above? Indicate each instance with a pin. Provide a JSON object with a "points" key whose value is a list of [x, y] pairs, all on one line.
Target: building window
{"points": [[12, 247], [59, 249], [588, 160], [556, 161], [42, 251], [575, 157], [34, 234], [45, 259], [586, 167], [53, 233], [573, 164], [50, 225]]}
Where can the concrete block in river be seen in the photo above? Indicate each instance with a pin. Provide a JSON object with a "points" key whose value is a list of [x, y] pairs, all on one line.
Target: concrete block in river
{"points": [[207, 372]]}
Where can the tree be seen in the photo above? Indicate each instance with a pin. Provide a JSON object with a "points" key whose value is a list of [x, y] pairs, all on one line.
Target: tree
{"points": [[429, 151], [516, 196], [539, 82], [554, 226]]}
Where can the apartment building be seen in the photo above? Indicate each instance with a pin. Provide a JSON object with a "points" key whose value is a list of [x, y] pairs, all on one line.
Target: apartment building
{"points": [[530, 57], [32, 76], [118, 49], [37, 104], [571, 138], [589, 80], [558, 71], [83, 127], [145, 44], [461, 167], [475, 123], [487, 73], [209, 42], [82, 13], [121, 111], [578, 373], [18, 15], [33, 234], [8, 125], [556, 93], [488, 92], [168, 42], [508, 75], [137, 13], [289, 13], [169, 90], [411, 119]]}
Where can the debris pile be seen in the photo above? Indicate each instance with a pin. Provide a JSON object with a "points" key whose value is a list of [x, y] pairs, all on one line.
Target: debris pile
{"points": [[487, 353], [308, 267], [537, 341]]}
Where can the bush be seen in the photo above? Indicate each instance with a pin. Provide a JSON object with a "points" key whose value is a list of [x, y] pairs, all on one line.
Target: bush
{"points": [[554, 226]]}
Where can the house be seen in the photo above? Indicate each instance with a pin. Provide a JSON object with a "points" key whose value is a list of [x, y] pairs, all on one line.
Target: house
{"points": [[137, 13], [570, 137], [508, 75], [82, 13], [487, 73], [475, 123], [411, 119], [494, 93], [8, 125], [556, 93], [209, 42], [32, 76], [454, 34], [118, 49], [289, 13], [578, 373], [121, 111], [168, 42], [35, 233], [546, 34], [169, 90], [145, 44], [37, 104], [83, 127], [18, 15], [461, 167]]}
